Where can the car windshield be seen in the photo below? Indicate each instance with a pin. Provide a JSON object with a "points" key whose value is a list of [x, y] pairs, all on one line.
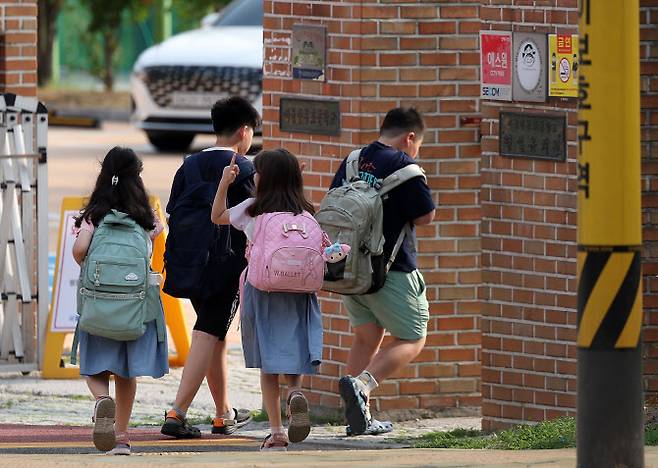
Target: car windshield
{"points": [[242, 13]]}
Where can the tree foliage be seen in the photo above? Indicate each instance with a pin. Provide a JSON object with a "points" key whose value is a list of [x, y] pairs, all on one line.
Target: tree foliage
{"points": [[106, 18], [192, 11], [47, 30]]}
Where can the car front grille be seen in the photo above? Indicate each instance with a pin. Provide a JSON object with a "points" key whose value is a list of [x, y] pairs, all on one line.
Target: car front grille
{"points": [[193, 86]]}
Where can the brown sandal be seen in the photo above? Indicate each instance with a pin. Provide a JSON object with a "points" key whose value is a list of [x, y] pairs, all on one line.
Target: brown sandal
{"points": [[104, 413], [299, 421]]}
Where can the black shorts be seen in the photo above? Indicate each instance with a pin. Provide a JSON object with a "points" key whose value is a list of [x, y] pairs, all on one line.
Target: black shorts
{"points": [[215, 313]]}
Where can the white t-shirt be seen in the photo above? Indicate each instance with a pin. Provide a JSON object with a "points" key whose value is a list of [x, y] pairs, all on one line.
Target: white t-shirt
{"points": [[240, 219]]}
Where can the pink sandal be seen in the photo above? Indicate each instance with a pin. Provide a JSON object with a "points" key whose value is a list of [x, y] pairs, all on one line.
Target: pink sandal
{"points": [[275, 443]]}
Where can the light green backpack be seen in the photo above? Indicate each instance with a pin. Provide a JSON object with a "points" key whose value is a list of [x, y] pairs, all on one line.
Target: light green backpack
{"points": [[115, 299]]}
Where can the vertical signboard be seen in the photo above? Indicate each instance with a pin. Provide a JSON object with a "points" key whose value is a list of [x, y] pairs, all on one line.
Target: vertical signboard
{"points": [[563, 70], [529, 82], [610, 417], [309, 51], [496, 65]]}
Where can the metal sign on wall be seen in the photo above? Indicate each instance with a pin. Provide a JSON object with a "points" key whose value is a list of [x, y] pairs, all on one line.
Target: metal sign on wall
{"points": [[309, 51], [538, 136], [496, 65], [563, 73], [315, 116], [530, 59]]}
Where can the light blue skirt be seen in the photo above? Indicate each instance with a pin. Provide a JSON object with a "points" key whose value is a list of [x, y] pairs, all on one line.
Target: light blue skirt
{"points": [[143, 357], [281, 332]]}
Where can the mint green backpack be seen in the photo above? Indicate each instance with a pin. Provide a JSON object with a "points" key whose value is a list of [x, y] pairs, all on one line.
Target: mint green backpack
{"points": [[115, 299]]}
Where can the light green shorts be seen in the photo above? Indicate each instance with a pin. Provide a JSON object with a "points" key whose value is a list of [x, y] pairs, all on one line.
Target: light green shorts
{"points": [[400, 307]]}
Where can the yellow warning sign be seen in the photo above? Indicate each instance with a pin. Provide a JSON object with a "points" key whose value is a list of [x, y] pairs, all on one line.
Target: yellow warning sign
{"points": [[563, 69], [62, 316]]}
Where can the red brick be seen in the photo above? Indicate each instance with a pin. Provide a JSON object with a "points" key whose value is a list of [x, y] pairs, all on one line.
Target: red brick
{"points": [[459, 11]]}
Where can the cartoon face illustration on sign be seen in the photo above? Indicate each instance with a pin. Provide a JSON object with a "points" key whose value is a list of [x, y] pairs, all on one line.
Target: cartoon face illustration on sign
{"points": [[528, 65], [528, 54]]}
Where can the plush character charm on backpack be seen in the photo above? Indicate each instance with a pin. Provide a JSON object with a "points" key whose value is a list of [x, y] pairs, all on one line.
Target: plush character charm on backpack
{"points": [[336, 253], [286, 253], [336, 257]]}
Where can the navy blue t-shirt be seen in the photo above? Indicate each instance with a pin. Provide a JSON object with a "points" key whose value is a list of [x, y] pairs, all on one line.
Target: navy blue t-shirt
{"points": [[212, 162], [407, 202]]}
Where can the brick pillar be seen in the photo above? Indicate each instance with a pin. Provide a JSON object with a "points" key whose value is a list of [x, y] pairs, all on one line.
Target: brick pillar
{"points": [[528, 251], [649, 90], [382, 54], [18, 47]]}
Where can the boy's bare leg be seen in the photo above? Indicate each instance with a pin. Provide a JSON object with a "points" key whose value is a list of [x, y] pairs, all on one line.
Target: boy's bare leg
{"points": [[195, 370], [217, 378], [367, 340], [394, 357]]}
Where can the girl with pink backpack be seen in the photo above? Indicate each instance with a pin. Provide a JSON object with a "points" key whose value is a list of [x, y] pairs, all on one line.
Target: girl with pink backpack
{"points": [[280, 316]]}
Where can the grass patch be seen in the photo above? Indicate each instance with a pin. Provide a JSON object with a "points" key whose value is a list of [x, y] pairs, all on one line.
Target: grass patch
{"points": [[560, 433], [651, 435], [317, 420], [259, 416]]}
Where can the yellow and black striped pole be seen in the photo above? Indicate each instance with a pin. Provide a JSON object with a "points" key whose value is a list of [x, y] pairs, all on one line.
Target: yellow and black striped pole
{"points": [[610, 399]]}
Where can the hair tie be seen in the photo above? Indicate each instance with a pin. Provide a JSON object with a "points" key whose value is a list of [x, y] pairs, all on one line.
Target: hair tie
{"points": [[115, 180]]}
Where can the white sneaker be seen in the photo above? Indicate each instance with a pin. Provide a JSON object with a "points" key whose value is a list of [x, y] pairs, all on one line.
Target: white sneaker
{"points": [[120, 449]]}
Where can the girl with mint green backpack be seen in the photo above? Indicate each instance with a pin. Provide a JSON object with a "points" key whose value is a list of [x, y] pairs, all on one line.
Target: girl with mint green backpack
{"points": [[121, 325]]}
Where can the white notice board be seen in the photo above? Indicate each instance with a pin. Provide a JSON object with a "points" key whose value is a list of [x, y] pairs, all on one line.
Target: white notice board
{"points": [[65, 288]]}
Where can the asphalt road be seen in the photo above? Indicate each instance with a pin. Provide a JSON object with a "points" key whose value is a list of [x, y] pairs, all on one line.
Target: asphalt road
{"points": [[74, 155]]}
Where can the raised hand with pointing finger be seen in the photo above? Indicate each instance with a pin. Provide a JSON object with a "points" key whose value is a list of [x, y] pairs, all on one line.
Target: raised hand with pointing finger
{"points": [[230, 173]]}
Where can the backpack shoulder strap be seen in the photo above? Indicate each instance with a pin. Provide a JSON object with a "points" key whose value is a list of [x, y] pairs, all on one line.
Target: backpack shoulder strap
{"points": [[406, 231], [75, 344], [352, 165], [400, 176]]}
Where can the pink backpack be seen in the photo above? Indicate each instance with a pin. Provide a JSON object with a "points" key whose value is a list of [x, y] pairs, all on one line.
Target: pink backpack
{"points": [[286, 253]]}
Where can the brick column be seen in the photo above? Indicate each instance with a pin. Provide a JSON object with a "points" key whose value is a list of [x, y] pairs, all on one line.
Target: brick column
{"points": [[528, 251], [18, 47], [382, 54]]}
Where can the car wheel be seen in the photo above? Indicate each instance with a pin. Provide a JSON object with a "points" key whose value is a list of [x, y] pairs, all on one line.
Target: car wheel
{"points": [[170, 141]]}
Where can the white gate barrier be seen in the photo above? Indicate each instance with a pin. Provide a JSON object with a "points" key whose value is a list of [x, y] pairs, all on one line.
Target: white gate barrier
{"points": [[23, 232]]}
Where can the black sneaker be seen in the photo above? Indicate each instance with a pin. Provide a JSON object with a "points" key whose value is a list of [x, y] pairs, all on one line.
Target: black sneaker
{"points": [[356, 404], [177, 427], [229, 426]]}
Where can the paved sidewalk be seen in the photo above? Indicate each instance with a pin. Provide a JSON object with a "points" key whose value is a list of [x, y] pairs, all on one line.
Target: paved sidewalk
{"points": [[31, 400], [331, 459]]}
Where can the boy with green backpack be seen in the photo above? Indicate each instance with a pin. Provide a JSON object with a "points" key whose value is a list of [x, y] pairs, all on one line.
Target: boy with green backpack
{"points": [[121, 330], [377, 197]]}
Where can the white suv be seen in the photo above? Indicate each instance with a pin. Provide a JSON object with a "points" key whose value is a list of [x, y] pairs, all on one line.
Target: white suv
{"points": [[175, 83]]}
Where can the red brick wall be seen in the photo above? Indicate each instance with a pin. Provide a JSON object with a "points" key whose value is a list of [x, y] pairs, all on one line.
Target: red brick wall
{"points": [[18, 47], [528, 251], [649, 90], [383, 54]]}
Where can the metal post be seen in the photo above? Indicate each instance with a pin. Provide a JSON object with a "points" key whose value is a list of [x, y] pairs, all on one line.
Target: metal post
{"points": [[610, 399]]}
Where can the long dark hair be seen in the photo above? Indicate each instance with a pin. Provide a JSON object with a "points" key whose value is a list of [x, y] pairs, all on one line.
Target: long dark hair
{"points": [[280, 184], [120, 187]]}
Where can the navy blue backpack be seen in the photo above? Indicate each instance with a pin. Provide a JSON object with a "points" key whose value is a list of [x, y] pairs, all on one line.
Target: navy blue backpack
{"points": [[198, 257]]}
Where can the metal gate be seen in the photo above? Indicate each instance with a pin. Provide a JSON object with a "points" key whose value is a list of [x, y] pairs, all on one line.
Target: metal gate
{"points": [[23, 232]]}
